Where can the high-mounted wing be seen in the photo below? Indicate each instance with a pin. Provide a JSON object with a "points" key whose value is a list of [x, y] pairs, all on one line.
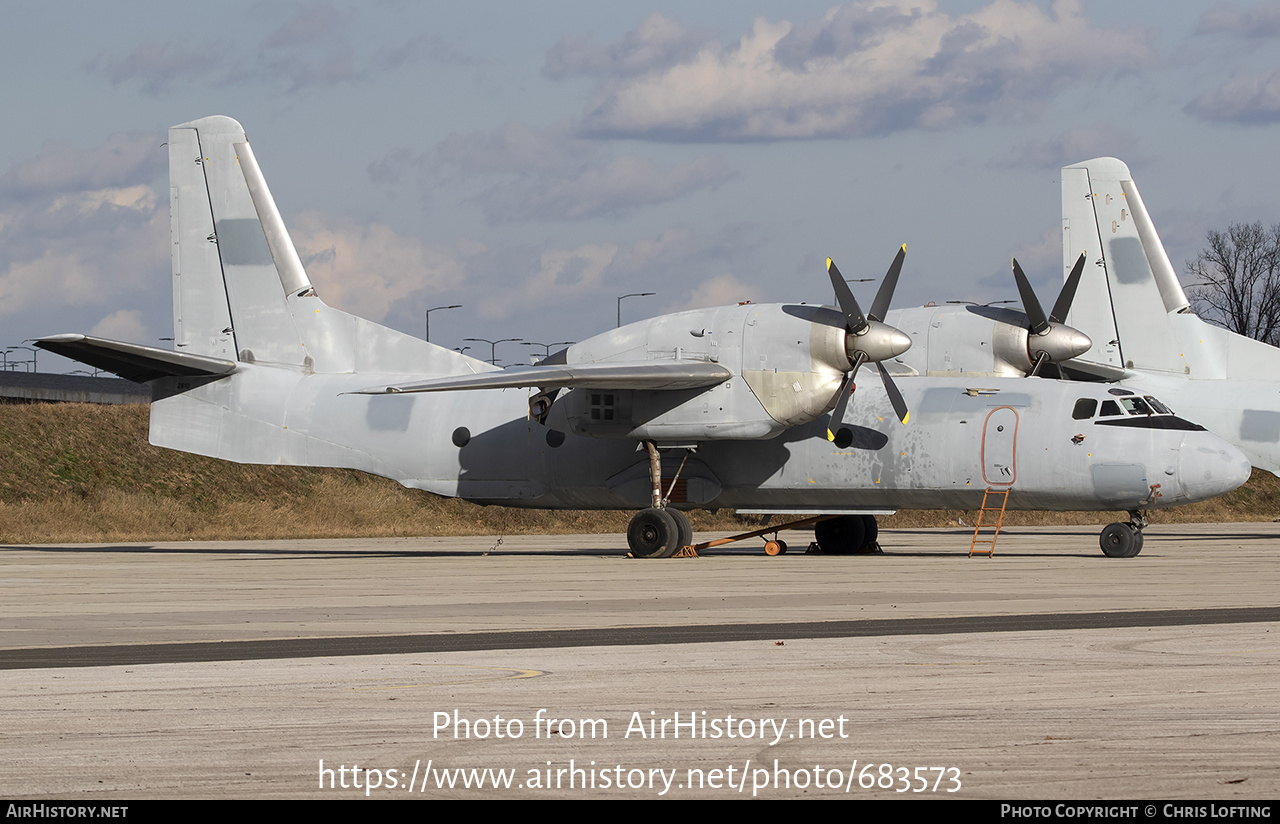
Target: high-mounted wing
{"points": [[657, 375]]}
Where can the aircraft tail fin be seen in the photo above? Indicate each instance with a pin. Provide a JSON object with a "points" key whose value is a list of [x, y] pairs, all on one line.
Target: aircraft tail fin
{"points": [[1129, 288], [234, 266], [240, 291], [249, 329]]}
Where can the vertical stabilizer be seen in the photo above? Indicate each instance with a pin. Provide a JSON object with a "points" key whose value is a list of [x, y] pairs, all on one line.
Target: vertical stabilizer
{"points": [[1129, 288], [229, 241], [201, 317], [240, 291]]}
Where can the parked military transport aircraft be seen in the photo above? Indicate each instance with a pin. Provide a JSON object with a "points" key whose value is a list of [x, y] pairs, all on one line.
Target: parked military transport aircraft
{"points": [[1130, 321], [722, 407]]}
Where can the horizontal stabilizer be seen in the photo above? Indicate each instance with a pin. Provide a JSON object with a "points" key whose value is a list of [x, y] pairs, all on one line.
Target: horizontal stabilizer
{"points": [[658, 375], [133, 361]]}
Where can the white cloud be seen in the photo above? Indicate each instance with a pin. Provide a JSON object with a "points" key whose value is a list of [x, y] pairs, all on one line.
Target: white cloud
{"points": [[722, 290], [868, 68], [1249, 100], [312, 46], [125, 324], [513, 148], [157, 65], [83, 227], [1077, 144], [1259, 21], [612, 189], [527, 283], [122, 160], [657, 43], [367, 269], [545, 174]]}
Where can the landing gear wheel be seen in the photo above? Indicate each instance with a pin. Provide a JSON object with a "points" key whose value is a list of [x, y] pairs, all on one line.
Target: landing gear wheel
{"points": [[775, 547], [844, 535], [685, 538], [1120, 540], [870, 535], [653, 533], [1137, 546]]}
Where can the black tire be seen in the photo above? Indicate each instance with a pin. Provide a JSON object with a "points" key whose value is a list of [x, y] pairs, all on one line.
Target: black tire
{"points": [[871, 532], [844, 535], [685, 537], [1137, 543], [653, 533], [1119, 541]]}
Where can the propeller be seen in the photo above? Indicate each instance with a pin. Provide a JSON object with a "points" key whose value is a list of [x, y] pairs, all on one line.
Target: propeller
{"points": [[1049, 339], [868, 339]]}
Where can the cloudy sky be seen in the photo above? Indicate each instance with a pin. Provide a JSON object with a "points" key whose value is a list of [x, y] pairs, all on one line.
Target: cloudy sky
{"points": [[534, 161]]}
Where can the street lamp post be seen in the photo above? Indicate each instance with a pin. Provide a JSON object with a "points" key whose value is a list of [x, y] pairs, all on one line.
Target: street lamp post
{"points": [[632, 295], [427, 331], [33, 356], [493, 346]]}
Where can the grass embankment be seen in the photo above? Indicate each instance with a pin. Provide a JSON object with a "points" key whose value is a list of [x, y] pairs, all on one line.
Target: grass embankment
{"points": [[85, 473]]}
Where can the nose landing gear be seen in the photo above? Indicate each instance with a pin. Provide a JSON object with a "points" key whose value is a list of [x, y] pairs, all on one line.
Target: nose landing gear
{"points": [[1123, 540]]}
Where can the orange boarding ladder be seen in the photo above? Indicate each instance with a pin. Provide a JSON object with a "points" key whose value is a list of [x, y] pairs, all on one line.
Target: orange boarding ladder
{"points": [[983, 522]]}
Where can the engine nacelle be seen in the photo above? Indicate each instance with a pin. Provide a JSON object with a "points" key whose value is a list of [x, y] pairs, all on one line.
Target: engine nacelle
{"points": [[787, 360], [954, 341]]}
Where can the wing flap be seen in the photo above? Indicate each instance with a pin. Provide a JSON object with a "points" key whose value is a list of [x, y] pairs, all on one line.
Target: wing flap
{"points": [[134, 361], [655, 375]]}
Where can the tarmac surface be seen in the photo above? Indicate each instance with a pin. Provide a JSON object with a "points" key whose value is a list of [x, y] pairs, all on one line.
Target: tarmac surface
{"points": [[554, 666]]}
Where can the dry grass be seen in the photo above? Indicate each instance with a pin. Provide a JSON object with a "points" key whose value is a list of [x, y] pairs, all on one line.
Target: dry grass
{"points": [[85, 473]]}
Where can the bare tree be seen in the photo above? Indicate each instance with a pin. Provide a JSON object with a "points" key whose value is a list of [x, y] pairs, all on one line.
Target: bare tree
{"points": [[1238, 280]]}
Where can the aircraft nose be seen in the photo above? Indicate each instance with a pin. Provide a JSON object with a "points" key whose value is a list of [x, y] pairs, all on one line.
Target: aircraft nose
{"points": [[1209, 466]]}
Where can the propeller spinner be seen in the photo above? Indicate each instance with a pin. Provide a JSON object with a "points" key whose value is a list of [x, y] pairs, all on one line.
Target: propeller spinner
{"points": [[868, 339], [1049, 340]]}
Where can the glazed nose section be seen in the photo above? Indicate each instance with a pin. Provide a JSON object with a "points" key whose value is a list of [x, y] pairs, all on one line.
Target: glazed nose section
{"points": [[1209, 466]]}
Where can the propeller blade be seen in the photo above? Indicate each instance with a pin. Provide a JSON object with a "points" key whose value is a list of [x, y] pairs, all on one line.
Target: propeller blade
{"points": [[837, 414], [854, 319], [895, 397], [880, 306], [1068, 293], [1030, 304]]}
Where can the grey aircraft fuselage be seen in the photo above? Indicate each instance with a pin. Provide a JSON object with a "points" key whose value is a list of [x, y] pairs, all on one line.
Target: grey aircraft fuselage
{"points": [[962, 436], [736, 397]]}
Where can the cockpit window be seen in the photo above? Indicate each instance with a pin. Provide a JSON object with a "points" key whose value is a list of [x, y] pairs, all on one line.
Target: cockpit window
{"points": [[1110, 408], [1159, 407], [1085, 407], [1136, 406]]}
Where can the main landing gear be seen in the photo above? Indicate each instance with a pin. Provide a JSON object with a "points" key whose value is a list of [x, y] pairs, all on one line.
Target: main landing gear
{"points": [[659, 532], [1123, 540], [847, 535]]}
